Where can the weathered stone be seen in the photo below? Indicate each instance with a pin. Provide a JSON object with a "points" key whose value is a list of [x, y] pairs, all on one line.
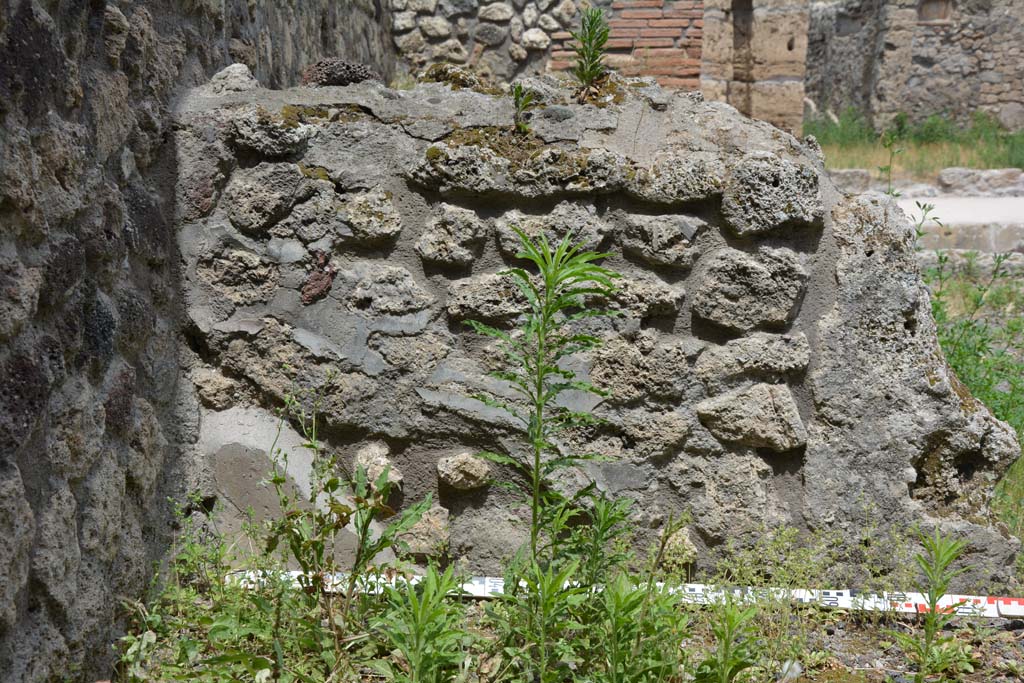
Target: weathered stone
{"points": [[741, 291], [463, 472], [759, 356], [379, 289], [234, 78], [451, 50], [371, 216], [565, 12], [548, 23], [19, 296], [676, 179], [454, 239], [496, 11], [260, 133], [403, 21], [334, 71], [661, 240], [430, 536], [489, 298], [764, 193], [375, 459], [411, 43], [240, 276], [490, 34], [578, 221], [422, 6], [435, 27], [535, 39], [214, 389], [761, 416], [259, 197], [517, 53]]}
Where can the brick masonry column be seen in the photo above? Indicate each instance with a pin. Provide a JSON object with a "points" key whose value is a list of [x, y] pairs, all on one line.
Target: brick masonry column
{"points": [[659, 38]]}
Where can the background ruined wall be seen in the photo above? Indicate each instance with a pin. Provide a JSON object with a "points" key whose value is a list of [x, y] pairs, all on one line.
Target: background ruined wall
{"points": [[774, 361], [754, 58], [658, 38], [91, 415], [884, 57]]}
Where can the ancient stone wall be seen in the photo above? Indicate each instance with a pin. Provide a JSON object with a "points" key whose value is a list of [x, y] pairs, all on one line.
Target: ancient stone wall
{"points": [[92, 416], [774, 360], [886, 57], [754, 57], [659, 38]]}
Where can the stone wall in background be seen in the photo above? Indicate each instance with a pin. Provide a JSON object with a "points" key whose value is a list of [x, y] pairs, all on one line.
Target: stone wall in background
{"points": [[774, 360], [659, 38], [92, 413], [754, 58], [925, 57]]}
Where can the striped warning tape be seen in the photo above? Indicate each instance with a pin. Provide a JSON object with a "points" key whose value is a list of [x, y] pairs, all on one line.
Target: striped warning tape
{"points": [[699, 593]]}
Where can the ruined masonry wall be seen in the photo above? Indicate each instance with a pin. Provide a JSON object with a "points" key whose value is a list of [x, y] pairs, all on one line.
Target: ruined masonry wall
{"points": [[659, 38], [774, 360], [92, 412], [885, 57]]}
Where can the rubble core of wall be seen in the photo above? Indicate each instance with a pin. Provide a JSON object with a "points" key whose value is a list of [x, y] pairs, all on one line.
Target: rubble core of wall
{"points": [[92, 411], [503, 40], [886, 57], [774, 360]]}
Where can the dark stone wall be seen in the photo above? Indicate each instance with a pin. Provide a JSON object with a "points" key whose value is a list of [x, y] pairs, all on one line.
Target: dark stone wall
{"points": [[92, 421]]}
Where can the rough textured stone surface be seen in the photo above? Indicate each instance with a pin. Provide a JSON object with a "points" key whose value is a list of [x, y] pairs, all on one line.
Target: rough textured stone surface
{"points": [[98, 411], [764, 193], [755, 379], [967, 62], [742, 291], [464, 471], [761, 416], [373, 458]]}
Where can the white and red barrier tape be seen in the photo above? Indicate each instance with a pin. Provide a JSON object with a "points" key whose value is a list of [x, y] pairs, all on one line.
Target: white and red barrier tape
{"points": [[699, 593]]}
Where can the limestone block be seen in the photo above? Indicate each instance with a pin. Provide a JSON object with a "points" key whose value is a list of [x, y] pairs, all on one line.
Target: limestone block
{"points": [[760, 355], [661, 240], [764, 193], [535, 39], [496, 11], [761, 416], [454, 239], [741, 291], [258, 197], [430, 536], [463, 471]]}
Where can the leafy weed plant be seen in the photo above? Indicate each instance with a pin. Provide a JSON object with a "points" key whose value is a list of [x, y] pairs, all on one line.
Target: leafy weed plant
{"points": [[589, 47], [933, 652]]}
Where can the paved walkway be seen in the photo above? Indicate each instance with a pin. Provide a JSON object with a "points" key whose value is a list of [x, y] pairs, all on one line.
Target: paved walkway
{"points": [[970, 210]]}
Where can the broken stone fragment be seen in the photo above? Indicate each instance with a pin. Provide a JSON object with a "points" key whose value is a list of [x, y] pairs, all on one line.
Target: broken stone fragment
{"points": [[677, 178], [760, 355], [760, 416], [579, 221], [256, 198], [764, 193], [661, 240], [214, 389], [379, 289], [430, 536], [372, 217], [374, 458], [742, 291], [464, 471], [257, 131], [319, 282], [454, 239], [489, 298]]}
